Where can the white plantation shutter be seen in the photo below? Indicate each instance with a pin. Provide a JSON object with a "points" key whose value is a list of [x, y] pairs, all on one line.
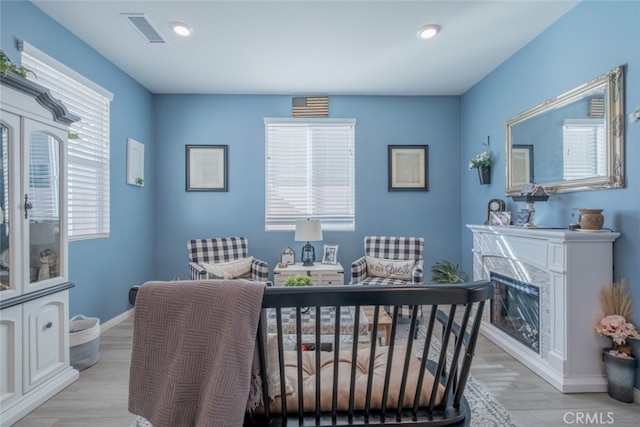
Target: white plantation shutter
{"points": [[310, 173], [88, 154], [584, 148]]}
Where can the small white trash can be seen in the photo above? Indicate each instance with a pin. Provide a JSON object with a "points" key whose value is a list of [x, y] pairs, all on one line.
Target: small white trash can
{"points": [[84, 341]]}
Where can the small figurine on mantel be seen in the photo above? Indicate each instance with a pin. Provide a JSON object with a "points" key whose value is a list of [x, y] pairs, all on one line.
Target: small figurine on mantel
{"points": [[47, 263]]}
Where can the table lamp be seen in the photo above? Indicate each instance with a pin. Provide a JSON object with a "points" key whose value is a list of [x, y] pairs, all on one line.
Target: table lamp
{"points": [[309, 230], [533, 193]]}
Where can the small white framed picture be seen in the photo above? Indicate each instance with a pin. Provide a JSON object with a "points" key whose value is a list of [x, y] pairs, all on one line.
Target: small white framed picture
{"points": [[500, 218], [330, 254]]}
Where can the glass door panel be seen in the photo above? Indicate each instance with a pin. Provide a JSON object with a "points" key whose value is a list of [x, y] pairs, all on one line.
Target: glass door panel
{"points": [[5, 274], [42, 204]]}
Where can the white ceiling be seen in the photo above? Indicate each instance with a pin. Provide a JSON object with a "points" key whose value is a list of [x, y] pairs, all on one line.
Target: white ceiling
{"points": [[307, 47]]}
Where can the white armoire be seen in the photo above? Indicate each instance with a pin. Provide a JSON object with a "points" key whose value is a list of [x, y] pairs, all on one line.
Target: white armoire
{"points": [[34, 286]]}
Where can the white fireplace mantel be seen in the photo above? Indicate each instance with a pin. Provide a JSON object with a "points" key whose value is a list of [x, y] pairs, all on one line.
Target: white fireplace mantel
{"points": [[569, 267]]}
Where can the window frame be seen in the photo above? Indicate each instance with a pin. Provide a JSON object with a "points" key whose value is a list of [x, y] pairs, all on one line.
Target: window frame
{"points": [[311, 162], [88, 157]]}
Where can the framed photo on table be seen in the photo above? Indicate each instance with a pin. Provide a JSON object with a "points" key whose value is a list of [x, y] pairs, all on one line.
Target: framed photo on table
{"points": [[408, 167], [207, 167], [330, 254]]}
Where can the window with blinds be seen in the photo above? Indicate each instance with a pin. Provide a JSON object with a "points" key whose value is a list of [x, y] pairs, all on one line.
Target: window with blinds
{"points": [[88, 151], [584, 149], [310, 173]]}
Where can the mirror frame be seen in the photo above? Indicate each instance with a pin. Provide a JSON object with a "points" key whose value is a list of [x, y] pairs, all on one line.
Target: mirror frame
{"points": [[613, 84]]}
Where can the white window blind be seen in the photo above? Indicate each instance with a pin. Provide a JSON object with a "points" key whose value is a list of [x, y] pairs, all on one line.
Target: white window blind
{"points": [[88, 145], [44, 177], [310, 173], [584, 149]]}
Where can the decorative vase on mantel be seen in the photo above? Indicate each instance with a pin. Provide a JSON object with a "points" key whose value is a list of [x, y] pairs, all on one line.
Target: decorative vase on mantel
{"points": [[484, 174], [621, 373]]}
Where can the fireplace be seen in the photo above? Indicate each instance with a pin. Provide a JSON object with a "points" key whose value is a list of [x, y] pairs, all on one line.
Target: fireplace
{"points": [[515, 309]]}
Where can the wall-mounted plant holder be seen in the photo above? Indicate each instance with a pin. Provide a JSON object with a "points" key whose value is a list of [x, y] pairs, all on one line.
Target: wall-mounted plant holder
{"points": [[485, 175]]}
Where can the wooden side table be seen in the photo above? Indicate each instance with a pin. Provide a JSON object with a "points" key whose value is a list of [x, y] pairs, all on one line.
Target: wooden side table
{"points": [[384, 323], [321, 274]]}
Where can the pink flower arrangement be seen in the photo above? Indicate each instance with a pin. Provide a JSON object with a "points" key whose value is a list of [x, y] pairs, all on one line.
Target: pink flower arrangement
{"points": [[619, 330]]}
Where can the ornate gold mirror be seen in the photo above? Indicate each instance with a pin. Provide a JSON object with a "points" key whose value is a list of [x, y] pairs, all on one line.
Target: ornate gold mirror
{"points": [[572, 142]]}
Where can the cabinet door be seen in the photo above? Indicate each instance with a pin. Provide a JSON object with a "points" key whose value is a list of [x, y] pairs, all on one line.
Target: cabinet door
{"points": [[10, 355], [10, 280], [46, 345], [44, 194]]}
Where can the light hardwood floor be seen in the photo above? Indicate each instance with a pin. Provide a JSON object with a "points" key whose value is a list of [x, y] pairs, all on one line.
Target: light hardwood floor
{"points": [[99, 397]]}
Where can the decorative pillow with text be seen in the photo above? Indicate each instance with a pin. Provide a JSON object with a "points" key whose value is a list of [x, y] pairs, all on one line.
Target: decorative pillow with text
{"points": [[229, 270], [390, 268]]}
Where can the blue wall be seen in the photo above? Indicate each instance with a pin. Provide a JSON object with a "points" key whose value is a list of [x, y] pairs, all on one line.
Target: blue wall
{"points": [[150, 225], [588, 41], [237, 120], [103, 270]]}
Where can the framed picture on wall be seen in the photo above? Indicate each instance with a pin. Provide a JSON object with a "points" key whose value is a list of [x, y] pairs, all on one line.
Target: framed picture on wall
{"points": [[408, 167], [207, 167]]}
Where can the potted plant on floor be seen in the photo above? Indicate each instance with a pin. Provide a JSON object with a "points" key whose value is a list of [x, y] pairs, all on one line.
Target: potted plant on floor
{"points": [[447, 272], [619, 362]]}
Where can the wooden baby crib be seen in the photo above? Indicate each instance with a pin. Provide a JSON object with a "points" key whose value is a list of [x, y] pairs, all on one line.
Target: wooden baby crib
{"points": [[367, 377]]}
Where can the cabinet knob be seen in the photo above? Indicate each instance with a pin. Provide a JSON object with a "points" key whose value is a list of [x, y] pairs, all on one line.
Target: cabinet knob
{"points": [[48, 325]]}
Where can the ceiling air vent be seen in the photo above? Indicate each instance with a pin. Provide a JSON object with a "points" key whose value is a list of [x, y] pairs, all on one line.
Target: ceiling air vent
{"points": [[310, 106], [144, 27]]}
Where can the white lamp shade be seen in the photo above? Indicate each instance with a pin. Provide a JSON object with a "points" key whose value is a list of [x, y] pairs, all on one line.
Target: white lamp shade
{"points": [[308, 230]]}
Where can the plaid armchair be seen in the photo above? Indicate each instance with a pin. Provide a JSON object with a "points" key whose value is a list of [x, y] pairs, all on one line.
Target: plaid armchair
{"points": [[222, 249], [395, 248]]}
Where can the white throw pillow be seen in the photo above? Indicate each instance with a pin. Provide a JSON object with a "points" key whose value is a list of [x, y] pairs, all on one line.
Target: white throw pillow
{"points": [[390, 268], [229, 270]]}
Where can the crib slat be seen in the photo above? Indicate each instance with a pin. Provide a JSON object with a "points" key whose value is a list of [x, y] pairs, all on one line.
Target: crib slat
{"points": [[390, 351], [423, 361], [299, 365], [283, 389], [354, 356], [407, 360], [336, 357], [470, 351]]}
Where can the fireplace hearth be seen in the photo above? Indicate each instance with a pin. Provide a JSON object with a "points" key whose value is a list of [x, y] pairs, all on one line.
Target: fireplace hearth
{"points": [[515, 309]]}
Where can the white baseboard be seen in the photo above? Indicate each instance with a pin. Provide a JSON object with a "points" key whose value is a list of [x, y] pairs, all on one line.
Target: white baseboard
{"points": [[116, 320], [636, 395]]}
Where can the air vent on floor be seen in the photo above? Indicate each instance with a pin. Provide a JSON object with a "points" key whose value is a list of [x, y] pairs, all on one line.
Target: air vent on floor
{"points": [[144, 27], [310, 106]]}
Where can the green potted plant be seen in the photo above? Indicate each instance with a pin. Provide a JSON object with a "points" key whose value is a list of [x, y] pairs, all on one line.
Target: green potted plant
{"points": [[6, 65], [482, 162], [298, 280], [447, 272]]}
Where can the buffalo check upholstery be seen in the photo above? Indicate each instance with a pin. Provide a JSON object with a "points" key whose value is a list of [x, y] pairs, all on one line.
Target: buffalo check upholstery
{"points": [[222, 249], [393, 248]]}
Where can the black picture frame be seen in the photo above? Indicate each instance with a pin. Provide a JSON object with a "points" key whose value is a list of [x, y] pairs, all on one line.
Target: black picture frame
{"points": [[207, 167], [522, 218], [408, 167]]}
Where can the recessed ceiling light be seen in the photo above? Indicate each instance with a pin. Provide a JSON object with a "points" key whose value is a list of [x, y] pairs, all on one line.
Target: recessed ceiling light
{"points": [[428, 31], [181, 29]]}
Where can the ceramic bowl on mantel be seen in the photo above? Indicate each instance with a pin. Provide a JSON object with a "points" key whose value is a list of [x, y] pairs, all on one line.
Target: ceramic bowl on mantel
{"points": [[591, 219]]}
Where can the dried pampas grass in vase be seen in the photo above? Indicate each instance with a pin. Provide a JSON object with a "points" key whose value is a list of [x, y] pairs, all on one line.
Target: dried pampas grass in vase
{"points": [[615, 299]]}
